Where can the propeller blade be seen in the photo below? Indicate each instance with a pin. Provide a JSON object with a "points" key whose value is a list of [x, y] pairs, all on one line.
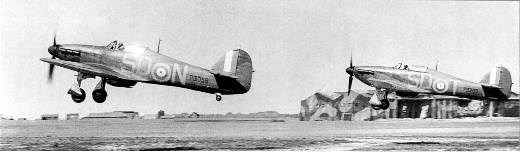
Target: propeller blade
{"points": [[351, 59], [51, 70], [54, 44], [53, 49], [350, 78], [349, 84]]}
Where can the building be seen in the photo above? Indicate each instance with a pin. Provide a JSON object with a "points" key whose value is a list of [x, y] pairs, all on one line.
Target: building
{"points": [[149, 116], [339, 106], [168, 116], [194, 115], [509, 108], [113, 115], [333, 106], [425, 106], [182, 115], [72, 116], [447, 107], [50, 117], [160, 114], [130, 114], [265, 114]]}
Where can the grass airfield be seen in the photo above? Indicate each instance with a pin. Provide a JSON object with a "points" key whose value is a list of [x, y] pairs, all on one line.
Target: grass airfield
{"points": [[482, 134]]}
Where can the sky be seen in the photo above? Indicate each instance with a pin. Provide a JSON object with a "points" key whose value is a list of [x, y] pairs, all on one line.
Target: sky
{"points": [[297, 47]]}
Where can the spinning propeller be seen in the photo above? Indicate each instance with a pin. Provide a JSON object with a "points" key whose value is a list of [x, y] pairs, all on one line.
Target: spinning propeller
{"points": [[52, 50], [350, 71]]}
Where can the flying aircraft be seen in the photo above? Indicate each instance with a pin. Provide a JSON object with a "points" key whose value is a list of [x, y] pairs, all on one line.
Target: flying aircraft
{"points": [[410, 81], [122, 66]]}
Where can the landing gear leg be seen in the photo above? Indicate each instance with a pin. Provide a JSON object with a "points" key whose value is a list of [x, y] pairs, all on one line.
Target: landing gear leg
{"points": [[218, 97], [382, 96], [76, 93], [99, 94]]}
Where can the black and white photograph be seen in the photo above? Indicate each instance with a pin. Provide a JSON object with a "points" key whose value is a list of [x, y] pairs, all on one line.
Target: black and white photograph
{"points": [[259, 75]]}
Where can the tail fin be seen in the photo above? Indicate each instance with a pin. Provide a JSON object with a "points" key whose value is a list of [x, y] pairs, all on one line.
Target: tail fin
{"points": [[235, 66], [501, 77]]}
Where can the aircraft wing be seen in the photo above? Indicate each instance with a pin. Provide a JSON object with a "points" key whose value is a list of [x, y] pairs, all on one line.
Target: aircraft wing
{"points": [[400, 86], [93, 69], [224, 74]]}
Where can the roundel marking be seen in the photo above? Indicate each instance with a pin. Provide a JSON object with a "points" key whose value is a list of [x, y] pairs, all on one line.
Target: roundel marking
{"points": [[161, 72], [440, 86]]}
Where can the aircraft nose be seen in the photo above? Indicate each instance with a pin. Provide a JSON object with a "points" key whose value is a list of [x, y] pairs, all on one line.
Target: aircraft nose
{"points": [[52, 50], [350, 70]]}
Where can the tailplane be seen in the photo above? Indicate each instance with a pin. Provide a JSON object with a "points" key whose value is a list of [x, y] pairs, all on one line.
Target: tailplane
{"points": [[500, 77], [234, 71]]}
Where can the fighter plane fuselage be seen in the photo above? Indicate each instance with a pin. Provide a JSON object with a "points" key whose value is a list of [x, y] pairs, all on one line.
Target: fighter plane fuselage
{"points": [[142, 65], [419, 80]]}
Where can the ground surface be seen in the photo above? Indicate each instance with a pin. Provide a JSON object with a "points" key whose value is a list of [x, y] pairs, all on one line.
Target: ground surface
{"points": [[400, 134]]}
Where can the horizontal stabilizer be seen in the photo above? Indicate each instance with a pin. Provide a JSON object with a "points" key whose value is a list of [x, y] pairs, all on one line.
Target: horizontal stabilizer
{"points": [[224, 74], [490, 85]]}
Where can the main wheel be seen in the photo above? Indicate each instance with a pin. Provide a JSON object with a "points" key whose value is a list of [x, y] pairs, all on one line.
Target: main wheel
{"points": [[99, 95], [218, 97], [79, 99], [384, 104]]}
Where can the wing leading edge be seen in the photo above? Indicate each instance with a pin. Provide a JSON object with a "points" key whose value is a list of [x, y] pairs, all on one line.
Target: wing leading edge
{"points": [[93, 69], [400, 86]]}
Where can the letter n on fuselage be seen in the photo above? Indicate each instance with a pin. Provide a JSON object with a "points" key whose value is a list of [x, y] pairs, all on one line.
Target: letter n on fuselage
{"points": [[182, 75]]}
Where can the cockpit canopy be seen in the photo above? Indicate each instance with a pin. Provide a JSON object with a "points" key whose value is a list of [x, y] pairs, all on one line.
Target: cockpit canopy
{"points": [[398, 66], [132, 49], [411, 68], [116, 46], [135, 49]]}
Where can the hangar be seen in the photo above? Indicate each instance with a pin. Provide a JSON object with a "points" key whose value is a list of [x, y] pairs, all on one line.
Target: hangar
{"points": [[356, 107], [72, 116], [113, 115], [50, 117], [338, 106]]}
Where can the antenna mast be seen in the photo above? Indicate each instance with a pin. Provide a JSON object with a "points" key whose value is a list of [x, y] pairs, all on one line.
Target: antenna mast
{"points": [[436, 64], [159, 44]]}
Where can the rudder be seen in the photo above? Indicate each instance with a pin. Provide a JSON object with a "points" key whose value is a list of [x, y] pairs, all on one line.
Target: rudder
{"points": [[237, 63], [501, 77]]}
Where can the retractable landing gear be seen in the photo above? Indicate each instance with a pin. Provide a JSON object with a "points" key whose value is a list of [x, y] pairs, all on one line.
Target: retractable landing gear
{"points": [[218, 97], [384, 105], [382, 96], [99, 94], [76, 93]]}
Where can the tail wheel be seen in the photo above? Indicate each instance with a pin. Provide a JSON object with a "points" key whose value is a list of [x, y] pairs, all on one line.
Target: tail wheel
{"points": [[218, 97], [99, 95], [79, 99]]}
